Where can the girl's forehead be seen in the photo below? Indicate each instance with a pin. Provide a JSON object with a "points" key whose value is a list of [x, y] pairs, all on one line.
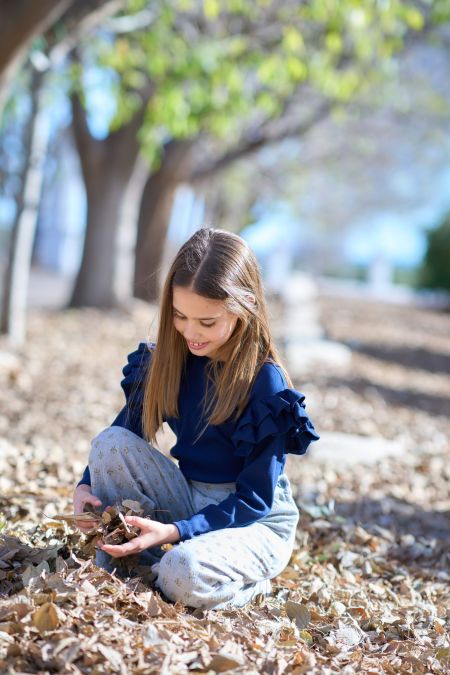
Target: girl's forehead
{"points": [[193, 305]]}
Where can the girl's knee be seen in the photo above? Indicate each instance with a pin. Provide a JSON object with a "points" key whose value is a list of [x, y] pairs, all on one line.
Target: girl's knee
{"points": [[180, 576], [181, 561], [111, 442]]}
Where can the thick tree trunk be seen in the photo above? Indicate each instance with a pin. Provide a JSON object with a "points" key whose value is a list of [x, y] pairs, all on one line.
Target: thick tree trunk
{"points": [[15, 292], [107, 168], [95, 283], [20, 21], [154, 215]]}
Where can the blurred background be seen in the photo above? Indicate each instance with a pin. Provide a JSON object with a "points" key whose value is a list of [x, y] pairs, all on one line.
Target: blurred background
{"points": [[319, 131]]}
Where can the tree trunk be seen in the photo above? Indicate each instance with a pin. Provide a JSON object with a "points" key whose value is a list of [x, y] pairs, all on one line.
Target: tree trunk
{"points": [[14, 304], [20, 21], [107, 167], [154, 216]]}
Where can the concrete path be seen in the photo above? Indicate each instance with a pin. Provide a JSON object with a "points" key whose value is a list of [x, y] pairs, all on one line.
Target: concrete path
{"points": [[341, 450], [300, 334], [302, 339]]}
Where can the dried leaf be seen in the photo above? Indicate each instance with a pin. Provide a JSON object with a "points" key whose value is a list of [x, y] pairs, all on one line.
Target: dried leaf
{"points": [[346, 636], [46, 617], [106, 517], [438, 627], [220, 663], [306, 636], [298, 612], [112, 656], [34, 571], [132, 505]]}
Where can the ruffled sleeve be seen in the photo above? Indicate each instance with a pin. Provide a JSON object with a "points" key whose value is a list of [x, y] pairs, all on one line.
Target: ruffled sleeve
{"points": [[135, 371], [273, 423], [270, 427], [133, 384], [282, 414]]}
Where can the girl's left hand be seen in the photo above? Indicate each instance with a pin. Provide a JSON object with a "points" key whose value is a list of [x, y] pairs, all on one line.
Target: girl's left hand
{"points": [[152, 534]]}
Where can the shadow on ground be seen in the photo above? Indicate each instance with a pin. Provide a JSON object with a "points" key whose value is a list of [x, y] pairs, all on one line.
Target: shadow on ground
{"points": [[432, 404], [409, 357]]}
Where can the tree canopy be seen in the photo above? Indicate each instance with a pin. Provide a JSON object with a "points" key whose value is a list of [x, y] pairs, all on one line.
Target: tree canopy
{"points": [[224, 68]]}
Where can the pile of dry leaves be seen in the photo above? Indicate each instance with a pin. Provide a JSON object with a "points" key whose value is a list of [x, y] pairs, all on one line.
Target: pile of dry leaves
{"points": [[367, 589]]}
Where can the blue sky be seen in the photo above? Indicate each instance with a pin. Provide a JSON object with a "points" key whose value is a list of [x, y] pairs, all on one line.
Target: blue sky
{"points": [[400, 240]]}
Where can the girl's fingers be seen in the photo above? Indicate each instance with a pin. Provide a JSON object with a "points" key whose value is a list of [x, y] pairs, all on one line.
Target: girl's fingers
{"points": [[95, 501], [137, 521], [122, 550]]}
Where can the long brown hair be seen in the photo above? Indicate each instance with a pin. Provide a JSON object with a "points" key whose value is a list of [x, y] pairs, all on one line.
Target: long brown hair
{"points": [[218, 265]]}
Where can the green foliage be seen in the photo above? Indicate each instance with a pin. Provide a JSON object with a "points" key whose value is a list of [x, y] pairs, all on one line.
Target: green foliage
{"points": [[435, 271], [220, 66]]}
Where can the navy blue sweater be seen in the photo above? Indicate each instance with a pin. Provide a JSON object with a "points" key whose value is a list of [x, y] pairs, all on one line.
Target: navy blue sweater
{"points": [[250, 451]]}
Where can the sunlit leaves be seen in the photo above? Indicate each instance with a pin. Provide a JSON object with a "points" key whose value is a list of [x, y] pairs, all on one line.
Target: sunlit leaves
{"points": [[270, 69], [214, 63], [211, 8], [293, 40], [413, 18], [296, 69], [333, 42]]}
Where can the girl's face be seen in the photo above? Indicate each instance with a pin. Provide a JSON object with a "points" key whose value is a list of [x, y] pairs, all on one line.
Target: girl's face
{"points": [[205, 324]]}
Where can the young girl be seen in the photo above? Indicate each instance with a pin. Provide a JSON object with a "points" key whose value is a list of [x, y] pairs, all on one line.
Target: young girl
{"points": [[215, 376]]}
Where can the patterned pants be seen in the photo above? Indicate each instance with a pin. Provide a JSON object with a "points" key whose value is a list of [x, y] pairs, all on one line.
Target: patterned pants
{"points": [[221, 569]]}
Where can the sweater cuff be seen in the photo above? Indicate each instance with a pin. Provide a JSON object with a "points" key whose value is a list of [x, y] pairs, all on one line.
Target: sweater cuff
{"points": [[86, 478], [183, 529]]}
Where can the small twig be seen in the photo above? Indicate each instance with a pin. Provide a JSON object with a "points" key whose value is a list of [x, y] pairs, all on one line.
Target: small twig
{"points": [[73, 517], [124, 522]]}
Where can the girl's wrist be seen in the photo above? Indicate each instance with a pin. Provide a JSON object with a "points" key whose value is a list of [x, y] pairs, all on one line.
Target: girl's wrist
{"points": [[83, 487], [173, 534]]}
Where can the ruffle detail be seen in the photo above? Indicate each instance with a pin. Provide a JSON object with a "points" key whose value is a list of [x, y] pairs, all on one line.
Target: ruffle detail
{"points": [[135, 371], [282, 414]]}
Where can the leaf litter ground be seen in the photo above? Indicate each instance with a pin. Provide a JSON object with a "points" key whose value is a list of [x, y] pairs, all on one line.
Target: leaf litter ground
{"points": [[367, 588]]}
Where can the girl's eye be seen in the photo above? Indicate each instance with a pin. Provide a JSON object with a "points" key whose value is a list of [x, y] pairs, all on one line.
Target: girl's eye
{"points": [[206, 325]]}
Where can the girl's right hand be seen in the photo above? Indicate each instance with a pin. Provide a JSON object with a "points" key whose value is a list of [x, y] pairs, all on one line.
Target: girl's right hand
{"points": [[81, 497]]}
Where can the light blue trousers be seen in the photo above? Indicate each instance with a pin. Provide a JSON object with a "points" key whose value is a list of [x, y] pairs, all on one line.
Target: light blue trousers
{"points": [[217, 570]]}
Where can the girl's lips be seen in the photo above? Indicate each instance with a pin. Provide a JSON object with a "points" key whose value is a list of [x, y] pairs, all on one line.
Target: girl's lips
{"points": [[195, 345]]}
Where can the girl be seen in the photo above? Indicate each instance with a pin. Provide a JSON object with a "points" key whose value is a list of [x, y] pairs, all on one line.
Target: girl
{"points": [[215, 376]]}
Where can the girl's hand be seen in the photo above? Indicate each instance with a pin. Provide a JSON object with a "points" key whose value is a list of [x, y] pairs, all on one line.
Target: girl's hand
{"points": [[152, 534], [81, 497]]}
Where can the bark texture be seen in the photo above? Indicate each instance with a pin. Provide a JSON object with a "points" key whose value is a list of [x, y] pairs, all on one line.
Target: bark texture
{"points": [[154, 216], [107, 167], [15, 291], [20, 22]]}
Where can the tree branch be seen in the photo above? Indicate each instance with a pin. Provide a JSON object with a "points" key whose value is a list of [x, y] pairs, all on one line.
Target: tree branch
{"points": [[21, 20], [134, 22], [80, 20], [260, 138]]}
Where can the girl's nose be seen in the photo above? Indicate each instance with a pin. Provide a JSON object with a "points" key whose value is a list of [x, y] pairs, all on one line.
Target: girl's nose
{"points": [[192, 334]]}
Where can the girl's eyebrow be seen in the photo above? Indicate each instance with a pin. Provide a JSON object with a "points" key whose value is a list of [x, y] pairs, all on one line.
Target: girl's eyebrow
{"points": [[205, 318]]}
